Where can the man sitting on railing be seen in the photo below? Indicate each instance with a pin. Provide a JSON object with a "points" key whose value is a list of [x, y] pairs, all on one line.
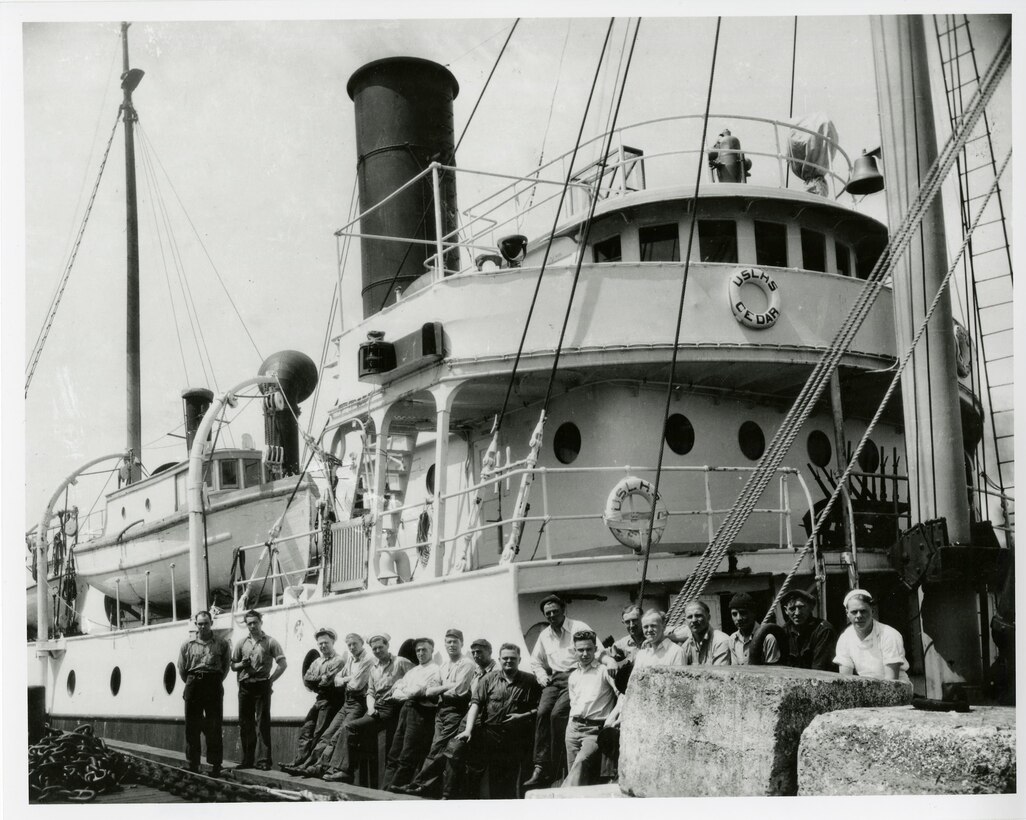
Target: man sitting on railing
{"points": [[702, 644], [418, 691], [319, 679], [742, 612]]}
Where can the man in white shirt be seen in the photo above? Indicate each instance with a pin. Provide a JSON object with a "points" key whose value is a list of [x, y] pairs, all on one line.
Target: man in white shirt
{"points": [[868, 648], [593, 698], [412, 738], [657, 649], [551, 662]]}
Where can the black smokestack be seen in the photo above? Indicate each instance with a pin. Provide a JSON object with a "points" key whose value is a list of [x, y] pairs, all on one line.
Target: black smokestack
{"points": [[196, 401], [297, 376]]}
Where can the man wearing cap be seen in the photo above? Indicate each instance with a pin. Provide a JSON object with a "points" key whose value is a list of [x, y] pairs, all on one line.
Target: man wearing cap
{"points": [[869, 648], [703, 645], [551, 662], [810, 640], [203, 664], [593, 698], [350, 682], [252, 660], [742, 613], [447, 758], [418, 693], [382, 709], [319, 678]]}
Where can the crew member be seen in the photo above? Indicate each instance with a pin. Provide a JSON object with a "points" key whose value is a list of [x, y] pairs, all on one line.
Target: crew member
{"points": [[203, 664], [453, 692], [551, 661], [868, 648], [319, 679], [742, 613], [702, 644], [252, 659], [624, 649], [500, 716], [657, 649], [382, 710], [413, 733], [593, 698], [810, 640]]}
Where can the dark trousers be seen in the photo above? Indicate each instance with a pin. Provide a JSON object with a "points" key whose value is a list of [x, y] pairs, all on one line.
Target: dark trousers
{"points": [[550, 728], [336, 749], [448, 723], [464, 766], [204, 708], [411, 743], [255, 722], [362, 733], [318, 719], [507, 755]]}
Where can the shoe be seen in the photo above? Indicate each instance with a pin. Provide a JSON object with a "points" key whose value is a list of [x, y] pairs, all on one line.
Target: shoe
{"points": [[537, 779], [262, 766], [395, 789], [415, 791], [311, 771], [193, 769], [244, 765], [338, 776], [216, 771]]}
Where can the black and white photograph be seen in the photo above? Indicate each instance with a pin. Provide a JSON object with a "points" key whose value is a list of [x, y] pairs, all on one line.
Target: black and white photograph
{"points": [[508, 402]]}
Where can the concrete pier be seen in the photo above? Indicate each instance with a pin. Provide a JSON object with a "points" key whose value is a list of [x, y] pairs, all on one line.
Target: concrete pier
{"points": [[905, 751], [729, 731]]}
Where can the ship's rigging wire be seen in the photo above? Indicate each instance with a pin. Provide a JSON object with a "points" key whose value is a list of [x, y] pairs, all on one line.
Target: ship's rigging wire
{"points": [[51, 314], [552, 235], [790, 98], [206, 253], [647, 550], [813, 388], [895, 381], [449, 161]]}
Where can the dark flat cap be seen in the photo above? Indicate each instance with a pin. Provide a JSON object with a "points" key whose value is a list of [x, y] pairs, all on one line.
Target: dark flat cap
{"points": [[799, 593], [742, 600]]}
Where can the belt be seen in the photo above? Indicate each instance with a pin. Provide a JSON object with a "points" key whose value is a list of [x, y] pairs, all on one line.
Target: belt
{"points": [[204, 673], [589, 721]]}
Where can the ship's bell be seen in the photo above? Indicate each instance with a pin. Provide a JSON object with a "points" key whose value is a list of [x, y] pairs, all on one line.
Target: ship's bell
{"points": [[866, 177]]}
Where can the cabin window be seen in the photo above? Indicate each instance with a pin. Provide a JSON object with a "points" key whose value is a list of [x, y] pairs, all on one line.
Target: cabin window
{"points": [[660, 243], [252, 472], [717, 240], [608, 250], [751, 440], [181, 499], [115, 680], [819, 449], [229, 474], [843, 259], [866, 261], [429, 480], [771, 244], [813, 250], [170, 676], [71, 682], [680, 434], [567, 442]]}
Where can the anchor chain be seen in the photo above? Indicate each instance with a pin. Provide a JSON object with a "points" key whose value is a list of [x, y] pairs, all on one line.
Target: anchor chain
{"points": [[73, 766]]}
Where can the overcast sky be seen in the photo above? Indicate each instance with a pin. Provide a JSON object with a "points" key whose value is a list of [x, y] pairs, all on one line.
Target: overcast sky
{"points": [[252, 126]]}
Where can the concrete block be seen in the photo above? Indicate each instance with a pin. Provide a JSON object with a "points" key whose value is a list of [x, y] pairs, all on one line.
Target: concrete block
{"points": [[905, 751], [728, 731]]}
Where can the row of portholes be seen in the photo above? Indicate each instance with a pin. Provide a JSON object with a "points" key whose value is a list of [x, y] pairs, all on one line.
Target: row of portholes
{"points": [[820, 452], [170, 676], [124, 513]]}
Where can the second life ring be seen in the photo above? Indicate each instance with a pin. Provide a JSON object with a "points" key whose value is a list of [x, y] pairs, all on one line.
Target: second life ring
{"points": [[628, 522], [764, 282], [963, 351]]}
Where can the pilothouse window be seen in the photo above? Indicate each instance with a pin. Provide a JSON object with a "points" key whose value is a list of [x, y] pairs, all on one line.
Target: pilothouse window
{"points": [[660, 243], [843, 259], [771, 244], [717, 240], [252, 472], [813, 250], [229, 475], [608, 250]]}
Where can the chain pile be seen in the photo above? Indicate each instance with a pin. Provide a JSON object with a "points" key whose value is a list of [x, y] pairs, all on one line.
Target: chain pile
{"points": [[73, 766]]}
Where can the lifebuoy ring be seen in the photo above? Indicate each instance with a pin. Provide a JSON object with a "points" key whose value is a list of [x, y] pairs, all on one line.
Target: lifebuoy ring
{"points": [[764, 282], [627, 524], [963, 351]]}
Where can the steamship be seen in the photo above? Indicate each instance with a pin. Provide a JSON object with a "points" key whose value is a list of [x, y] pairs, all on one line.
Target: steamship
{"points": [[496, 434]]}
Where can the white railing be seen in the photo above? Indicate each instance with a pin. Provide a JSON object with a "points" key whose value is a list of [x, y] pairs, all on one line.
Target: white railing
{"points": [[527, 204]]}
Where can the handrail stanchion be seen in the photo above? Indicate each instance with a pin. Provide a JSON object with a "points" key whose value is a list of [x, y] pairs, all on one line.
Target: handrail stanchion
{"points": [[117, 603], [437, 188], [780, 156], [708, 505], [174, 598], [146, 600], [545, 511]]}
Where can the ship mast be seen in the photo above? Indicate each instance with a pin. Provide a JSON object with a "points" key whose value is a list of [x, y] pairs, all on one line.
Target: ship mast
{"points": [[130, 79]]}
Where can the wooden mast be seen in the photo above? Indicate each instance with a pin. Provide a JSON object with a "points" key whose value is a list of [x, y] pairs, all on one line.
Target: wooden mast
{"points": [[129, 80]]}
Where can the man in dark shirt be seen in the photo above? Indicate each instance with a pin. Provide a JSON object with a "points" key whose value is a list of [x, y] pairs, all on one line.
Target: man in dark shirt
{"points": [[501, 716], [810, 640], [319, 679], [203, 664]]}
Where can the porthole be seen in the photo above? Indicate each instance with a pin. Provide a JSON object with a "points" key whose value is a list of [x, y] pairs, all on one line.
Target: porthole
{"points": [[311, 656], [751, 440], [170, 676], [429, 480], [71, 682], [680, 434], [567, 442], [115, 680], [819, 449], [147, 505], [122, 512], [869, 458]]}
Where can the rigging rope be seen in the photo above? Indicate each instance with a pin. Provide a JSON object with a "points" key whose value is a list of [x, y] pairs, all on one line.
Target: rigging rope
{"points": [[680, 316], [895, 381], [51, 314], [813, 388]]}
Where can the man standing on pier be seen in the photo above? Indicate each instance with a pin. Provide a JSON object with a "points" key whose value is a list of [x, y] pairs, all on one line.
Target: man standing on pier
{"points": [[252, 660], [203, 666]]}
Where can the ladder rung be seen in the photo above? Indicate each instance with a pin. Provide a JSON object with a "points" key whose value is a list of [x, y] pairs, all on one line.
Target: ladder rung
{"points": [[987, 166], [958, 56], [984, 253], [956, 27], [1000, 358]]}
